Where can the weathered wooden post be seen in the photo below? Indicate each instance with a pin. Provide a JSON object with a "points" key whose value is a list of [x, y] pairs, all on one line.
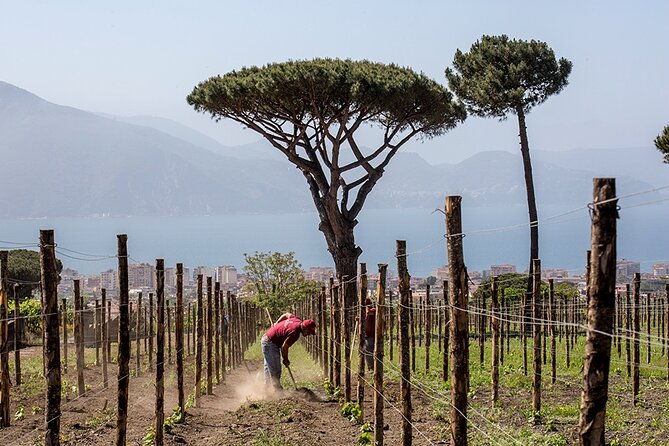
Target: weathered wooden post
{"points": [[346, 324], [198, 350], [481, 328], [160, 350], [123, 342], [323, 330], [151, 313], [109, 340], [17, 338], [98, 332], [378, 356], [138, 327], [553, 321], [210, 358], [336, 298], [428, 328], [223, 337], [168, 311], [190, 327], [64, 318], [459, 329], [536, 332], [79, 336], [649, 309], [217, 329], [601, 307], [49, 282], [105, 337], [405, 381], [495, 343], [180, 337], [4, 355], [447, 322], [412, 316], [361, 338], [636, 358]]}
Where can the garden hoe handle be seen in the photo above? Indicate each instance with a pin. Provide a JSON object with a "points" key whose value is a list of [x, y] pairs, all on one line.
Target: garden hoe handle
{"points": [[290, 372]]}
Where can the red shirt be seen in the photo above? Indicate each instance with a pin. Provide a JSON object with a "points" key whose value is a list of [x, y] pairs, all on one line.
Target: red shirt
{"points": [[370, 321], [287, 330]]}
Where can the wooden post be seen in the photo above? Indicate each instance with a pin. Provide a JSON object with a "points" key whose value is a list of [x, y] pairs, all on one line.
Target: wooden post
{"points": [[190, 327], [649, 309], [79, 337], [49, 282], [64, 335], [536, 332], [495, 342], [346, 320], [336, 297], [223, 337], [553, 321], [168, 312], [210, 358], [98, 332], [428, 328], [523, 328], [481, 328], [217, 329], [601, 307], [447, 321], [138, 327], [4, 355], [636, 359], [198, 350], [459, 329], [123, 342], [361, 338], [151, 313], [17, 338], [326, 339], [105, 338], [378, 356], [405, 382], [180, 336], [412, 315], [160, 350], [109, 340]]}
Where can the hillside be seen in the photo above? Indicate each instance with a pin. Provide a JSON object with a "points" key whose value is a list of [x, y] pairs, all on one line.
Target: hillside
{"points": [[61, 161]]}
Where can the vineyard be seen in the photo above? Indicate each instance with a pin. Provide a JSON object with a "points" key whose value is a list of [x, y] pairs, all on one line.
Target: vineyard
{"points": [[453, 364]]}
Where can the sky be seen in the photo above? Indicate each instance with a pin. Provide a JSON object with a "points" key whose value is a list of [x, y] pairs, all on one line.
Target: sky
{"points": [[143, 58]]}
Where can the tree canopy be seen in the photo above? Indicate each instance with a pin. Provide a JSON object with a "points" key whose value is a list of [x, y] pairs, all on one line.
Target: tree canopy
{"points": [[276, 281], [24, 270], [662, 143], [311, 110], [499, 75]]}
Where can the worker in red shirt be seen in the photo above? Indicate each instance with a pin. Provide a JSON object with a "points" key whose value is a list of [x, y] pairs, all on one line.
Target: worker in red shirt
{"points": [[370, 330], [278, 339]]}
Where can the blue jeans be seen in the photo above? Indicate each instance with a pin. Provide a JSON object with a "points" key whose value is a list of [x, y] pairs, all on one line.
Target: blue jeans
{"points": [[272, 362]]}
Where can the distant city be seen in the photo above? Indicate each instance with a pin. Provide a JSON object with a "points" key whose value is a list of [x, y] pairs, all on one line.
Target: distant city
{"points": [[141, 277]]}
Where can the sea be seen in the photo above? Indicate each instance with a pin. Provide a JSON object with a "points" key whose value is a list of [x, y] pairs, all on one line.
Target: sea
{"points": [[494, 235]]}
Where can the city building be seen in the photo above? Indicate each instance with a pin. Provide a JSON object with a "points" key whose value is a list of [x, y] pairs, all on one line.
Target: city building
{"points": [[206, 271], [661, 269], [555, 273], [227, 275], [140, 275], [108, 279], [625, 269], [319, 273], [498, 270], [441, 273]]}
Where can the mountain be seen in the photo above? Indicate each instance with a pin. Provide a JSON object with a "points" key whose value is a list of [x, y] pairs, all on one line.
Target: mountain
{"points": [[61, 161], [65, 161]]}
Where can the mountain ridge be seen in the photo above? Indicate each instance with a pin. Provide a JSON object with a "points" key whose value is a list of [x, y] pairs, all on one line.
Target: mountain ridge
{"points": [[69, 162]]}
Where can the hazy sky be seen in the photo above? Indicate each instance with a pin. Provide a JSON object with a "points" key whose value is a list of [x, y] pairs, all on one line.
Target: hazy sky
{"points": [[143, 58]]}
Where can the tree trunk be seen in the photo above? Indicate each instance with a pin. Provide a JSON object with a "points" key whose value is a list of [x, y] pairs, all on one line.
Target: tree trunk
{"points": [[531, 199]]}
